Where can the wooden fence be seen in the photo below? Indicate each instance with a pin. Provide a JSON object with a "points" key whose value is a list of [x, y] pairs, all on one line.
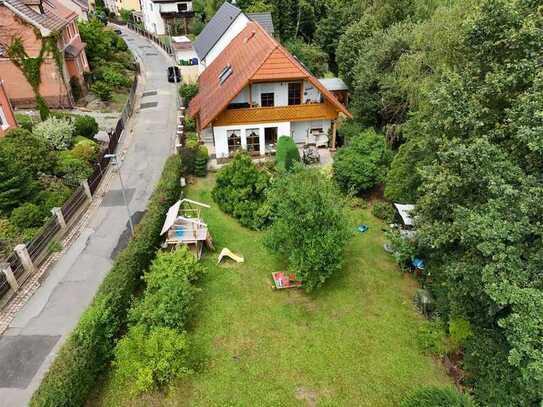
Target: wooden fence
{"points": [[29, 256]]}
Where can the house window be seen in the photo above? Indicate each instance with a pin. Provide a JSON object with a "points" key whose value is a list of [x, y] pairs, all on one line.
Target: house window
{"points": [[270, 136], [182, 7], [267, 99], [234, 140], [3, 120], [317, 127], [253, 140], [294, 93]]}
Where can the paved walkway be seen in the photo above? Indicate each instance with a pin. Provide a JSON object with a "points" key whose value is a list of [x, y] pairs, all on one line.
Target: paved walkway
{"points": [[30, 343]]}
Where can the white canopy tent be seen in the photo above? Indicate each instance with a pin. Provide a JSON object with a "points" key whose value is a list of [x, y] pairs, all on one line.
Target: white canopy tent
{"points": [[405, 212]]}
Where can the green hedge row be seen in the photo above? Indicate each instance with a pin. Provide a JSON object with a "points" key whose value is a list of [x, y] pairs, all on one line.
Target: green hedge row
{"points": [[90, 347]]}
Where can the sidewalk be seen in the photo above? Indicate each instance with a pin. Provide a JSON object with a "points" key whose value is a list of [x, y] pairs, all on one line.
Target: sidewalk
{"points": [[32, 339]]}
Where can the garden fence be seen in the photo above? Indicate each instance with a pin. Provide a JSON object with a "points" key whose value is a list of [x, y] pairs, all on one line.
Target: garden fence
{"points": [[28, 257]]}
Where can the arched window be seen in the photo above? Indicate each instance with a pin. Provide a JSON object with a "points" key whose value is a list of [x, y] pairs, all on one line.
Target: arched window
{"points": [[234, 140]]}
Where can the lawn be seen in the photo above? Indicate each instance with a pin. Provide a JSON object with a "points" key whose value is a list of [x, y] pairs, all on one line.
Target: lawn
{"points": [[354, 342]]}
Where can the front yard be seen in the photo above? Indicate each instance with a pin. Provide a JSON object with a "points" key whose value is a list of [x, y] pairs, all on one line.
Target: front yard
{"points": [[353, 342]]}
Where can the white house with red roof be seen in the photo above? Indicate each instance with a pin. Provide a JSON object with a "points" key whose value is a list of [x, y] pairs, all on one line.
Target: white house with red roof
{"points": [[254, 92]]}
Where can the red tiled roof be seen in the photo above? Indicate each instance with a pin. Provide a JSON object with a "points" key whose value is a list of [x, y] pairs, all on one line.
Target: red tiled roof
{"points": [[253, 56]]}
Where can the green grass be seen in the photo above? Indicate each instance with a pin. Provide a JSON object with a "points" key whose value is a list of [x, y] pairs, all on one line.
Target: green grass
{"points": [[354, 342]]}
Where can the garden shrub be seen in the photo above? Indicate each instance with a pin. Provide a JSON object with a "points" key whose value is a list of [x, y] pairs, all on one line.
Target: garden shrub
{"points": [[72, 169], [24, 121], [309, 226], [85, 126], [359, 166], [16, 183], [33, 154], [146, 359], [75, 86], [200, 162], [8, 237], [113, 78], [384, 211], [53, 196], [85, 150], [169, 295], [28, 215], [459, 331], [188, 91], [437, 397], [240, 190], [190, 124], [287, 153], [102, 90], [431, 338], [89, 349], [57, 132], [404, 248]]}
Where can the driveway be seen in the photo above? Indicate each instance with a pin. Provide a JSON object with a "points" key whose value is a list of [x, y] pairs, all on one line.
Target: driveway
{"points": [[30, 343]]}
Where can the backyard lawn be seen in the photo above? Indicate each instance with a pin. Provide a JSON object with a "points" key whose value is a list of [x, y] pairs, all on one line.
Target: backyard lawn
{"points": [[354, 342]]}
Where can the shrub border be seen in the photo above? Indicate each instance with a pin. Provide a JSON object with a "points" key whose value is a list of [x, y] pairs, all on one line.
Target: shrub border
{"points": [[89, 349]]}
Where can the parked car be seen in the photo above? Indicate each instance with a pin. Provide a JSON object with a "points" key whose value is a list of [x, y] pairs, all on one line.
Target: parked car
{"points": [[117, 31], [174, 74]]}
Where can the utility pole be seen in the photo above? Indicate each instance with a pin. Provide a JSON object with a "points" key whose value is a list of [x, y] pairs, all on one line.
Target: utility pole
{"points": [[115, 163]]}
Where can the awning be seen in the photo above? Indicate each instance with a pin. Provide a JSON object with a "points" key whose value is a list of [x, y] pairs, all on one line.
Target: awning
{"points": [[405, 213], [171, 216]]}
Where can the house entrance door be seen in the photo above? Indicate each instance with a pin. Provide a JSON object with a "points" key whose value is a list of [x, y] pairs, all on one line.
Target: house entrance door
{"points": [[270, 138]]}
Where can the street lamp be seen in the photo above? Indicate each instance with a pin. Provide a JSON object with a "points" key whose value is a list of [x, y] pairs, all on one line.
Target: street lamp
{"points": [[116, 164]]}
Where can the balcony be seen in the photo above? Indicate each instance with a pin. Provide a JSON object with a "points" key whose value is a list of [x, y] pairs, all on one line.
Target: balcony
{"points": [[293, 113]]}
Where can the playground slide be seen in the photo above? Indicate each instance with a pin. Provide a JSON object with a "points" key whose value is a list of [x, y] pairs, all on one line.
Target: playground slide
{"points": [[227, 253]]}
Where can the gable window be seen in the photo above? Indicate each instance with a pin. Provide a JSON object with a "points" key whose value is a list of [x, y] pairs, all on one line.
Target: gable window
{"points": [[182, 7], [294, 93], [234, 140], [267, 99], [253, 140]]}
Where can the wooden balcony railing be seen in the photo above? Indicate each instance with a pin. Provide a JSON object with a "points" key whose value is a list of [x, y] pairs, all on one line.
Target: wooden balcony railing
{"points": [[314, 111]]}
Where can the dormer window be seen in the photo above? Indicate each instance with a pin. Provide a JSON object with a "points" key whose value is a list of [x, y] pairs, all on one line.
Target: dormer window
{"points": [[225, 74]]}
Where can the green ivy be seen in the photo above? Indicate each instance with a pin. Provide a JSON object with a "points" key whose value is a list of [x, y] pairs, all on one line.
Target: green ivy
{"points": [[31, 66]]}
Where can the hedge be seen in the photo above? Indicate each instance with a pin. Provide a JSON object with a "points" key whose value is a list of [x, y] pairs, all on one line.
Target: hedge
{"points": [[89, 348], [287, 153]]}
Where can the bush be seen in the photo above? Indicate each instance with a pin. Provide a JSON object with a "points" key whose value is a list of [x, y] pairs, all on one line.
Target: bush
{"points": [[241, 190], [85, 126], [431, 338], [113, 77], [8, 237], [200, 162], [190, 124], [86, 150], [169, 295], [24, 121], [88, 350], [57, 132], [287, 153], [33, 153], [436, 397], [383, 211], [75, 86], [28, 215], [150, 359], [72, 169], [309, 225], [404, 248], [102, 90], [188, 91], [359, 166]]}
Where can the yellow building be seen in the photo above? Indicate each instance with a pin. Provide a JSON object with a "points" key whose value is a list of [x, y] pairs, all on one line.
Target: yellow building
{"points": [[133, 5]]}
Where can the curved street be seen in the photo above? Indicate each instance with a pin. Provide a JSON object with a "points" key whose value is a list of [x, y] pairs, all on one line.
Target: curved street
{"points": [[40, 326]]}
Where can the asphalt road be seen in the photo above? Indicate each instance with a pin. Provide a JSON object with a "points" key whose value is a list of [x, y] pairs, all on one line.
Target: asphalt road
{"points": [[29, 345]]}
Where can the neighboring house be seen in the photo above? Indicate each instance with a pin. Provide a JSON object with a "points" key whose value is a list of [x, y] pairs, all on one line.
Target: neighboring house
{"points": [[111, 5], [166, 17], [30, 21], [338, 88], [225, 25], [80, 7], [254, 92], [133, 5], [7, 118]]}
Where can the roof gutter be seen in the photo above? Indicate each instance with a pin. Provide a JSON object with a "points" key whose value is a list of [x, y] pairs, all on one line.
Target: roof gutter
{"points": [[45, 32]]}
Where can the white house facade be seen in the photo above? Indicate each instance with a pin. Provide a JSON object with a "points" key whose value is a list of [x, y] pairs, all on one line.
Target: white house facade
{"points": [[163, 17]]}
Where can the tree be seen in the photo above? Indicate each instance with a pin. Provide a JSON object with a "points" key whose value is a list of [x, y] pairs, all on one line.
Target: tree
{"points": [[16, 184], [309, 225], [241, 190], [361, 164], [287, 153], [314, 58]]}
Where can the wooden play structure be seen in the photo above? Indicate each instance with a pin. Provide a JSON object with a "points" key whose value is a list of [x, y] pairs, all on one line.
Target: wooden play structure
{"points": [[282, 280], [184, 226], [227, 253]]}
